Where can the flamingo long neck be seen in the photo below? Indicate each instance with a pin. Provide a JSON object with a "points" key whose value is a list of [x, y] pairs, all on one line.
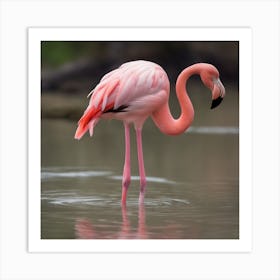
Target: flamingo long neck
{"points": [[163, 117]]}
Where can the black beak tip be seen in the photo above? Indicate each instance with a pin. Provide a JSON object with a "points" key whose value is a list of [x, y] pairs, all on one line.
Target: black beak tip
{"points": [[216, 102]]}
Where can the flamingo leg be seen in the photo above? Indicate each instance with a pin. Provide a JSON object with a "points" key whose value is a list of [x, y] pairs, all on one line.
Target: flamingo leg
{"points": [[143, 182], [126, 169]]}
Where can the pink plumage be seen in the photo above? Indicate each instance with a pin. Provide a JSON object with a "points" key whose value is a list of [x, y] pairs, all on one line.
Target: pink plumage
{"points": [[137, 90], [134, 91]]}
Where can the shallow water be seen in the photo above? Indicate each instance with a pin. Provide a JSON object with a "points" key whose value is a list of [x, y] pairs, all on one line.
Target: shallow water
{"points": [[192, 191]]}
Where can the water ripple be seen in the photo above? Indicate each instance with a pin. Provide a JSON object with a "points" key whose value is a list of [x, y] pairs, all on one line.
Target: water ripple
{"points": [[73, 174], [56, 173], [213, 130], [78, 200], [166, 201], [149, 179]]}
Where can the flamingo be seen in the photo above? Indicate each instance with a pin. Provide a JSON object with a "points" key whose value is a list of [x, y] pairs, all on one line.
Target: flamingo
{"points": [[138, 90]]}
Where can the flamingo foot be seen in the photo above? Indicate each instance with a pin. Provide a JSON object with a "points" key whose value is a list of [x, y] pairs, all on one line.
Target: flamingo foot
{"points": [[143, 184], [124, 193], [125, 185]]}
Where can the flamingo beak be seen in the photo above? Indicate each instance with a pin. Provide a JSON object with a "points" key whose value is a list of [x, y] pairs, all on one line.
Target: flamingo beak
{"points": [[216, 102], [218, 93]]}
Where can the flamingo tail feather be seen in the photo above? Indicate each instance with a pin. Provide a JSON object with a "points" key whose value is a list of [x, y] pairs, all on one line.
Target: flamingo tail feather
{"points": [[87, 122]]}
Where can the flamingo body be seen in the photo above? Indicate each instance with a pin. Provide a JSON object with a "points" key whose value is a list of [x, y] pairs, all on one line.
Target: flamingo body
{"points": [[130, 93], [137, 90]]}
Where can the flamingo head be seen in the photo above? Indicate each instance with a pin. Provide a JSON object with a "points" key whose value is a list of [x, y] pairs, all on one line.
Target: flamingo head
{"points": [[210, 77]]}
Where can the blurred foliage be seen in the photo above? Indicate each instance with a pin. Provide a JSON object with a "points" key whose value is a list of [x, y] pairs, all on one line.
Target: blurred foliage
{"points": [[70, 68], [56, 53], [65, 64]]}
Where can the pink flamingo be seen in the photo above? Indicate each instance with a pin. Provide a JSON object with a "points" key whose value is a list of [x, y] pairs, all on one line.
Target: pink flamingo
{"points": [[137, 90]]}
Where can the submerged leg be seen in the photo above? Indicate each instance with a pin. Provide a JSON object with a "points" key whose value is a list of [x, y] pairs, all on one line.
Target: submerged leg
{"points": [[126, 168], [141, 165]]}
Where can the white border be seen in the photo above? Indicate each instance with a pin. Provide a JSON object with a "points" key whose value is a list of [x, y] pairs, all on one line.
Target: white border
{"points": [[243, 35], [262, 262]]}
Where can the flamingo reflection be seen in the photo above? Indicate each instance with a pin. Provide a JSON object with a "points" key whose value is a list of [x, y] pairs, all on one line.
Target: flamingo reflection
{"points": [[84, 229]]}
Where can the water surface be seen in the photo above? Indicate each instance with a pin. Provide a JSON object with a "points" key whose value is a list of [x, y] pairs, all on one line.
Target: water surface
{"points": [[192, 191]]}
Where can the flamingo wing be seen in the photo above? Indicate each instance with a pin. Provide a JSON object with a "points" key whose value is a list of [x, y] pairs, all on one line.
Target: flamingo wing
{"points": [[125, 89], [100, 102]]}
